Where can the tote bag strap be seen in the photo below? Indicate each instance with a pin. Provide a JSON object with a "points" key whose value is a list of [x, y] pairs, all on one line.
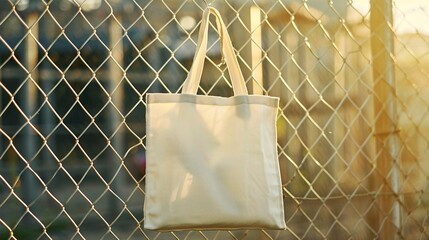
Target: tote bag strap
{"points": [[194, 76]]}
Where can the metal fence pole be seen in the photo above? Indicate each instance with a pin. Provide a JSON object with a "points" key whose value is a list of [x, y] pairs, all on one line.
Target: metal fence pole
{"points": [[30, 99], [387, 178], [256, 50], [117, 97]]}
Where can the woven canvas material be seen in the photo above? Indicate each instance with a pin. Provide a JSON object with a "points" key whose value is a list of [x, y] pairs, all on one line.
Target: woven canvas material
{"points": [[212, 161]]}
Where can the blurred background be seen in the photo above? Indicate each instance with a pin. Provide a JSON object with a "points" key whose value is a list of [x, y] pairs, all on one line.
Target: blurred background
{"points": [[353, 123]]}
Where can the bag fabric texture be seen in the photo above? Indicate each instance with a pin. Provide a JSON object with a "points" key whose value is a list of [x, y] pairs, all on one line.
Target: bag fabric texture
{"points": [[212, 161]]}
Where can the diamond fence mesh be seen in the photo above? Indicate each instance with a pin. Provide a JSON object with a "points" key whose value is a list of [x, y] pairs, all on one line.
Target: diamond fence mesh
{"points": [[353, 125]]}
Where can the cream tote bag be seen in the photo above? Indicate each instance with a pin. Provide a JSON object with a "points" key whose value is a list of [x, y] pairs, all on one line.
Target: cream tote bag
{"points": [[212, 161]]}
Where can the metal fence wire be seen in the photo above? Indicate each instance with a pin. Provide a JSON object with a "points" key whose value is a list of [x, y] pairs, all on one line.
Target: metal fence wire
{"points": [[353, 125]]}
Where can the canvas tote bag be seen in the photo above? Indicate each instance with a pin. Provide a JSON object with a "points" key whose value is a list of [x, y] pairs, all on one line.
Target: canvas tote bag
{"points": [[212, 161]]}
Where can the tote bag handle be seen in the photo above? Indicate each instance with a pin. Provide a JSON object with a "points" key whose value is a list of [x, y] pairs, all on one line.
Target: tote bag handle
{"points": [[194, 76]]}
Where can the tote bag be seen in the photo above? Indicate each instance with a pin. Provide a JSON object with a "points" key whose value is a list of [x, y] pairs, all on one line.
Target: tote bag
{"points": [[212, 161]]}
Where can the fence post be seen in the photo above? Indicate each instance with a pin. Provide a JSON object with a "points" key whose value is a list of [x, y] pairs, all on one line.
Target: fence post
{"points": [[386, 219], [116, 91], [256, 50], [29, 101]]}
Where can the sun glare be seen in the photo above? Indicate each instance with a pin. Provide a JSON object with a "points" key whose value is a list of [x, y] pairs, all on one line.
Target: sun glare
{"points": [[409, 16]]}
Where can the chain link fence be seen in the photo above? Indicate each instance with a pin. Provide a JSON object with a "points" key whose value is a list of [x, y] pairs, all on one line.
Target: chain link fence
{"points": [[353, 126]]}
